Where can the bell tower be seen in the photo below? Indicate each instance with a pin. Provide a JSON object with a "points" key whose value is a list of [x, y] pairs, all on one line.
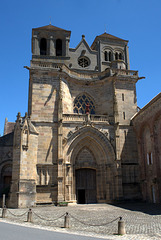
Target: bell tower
{"points": [[50, 42], [112, 52]]}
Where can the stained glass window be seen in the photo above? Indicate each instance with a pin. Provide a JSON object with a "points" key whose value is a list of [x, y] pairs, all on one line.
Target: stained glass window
{"points": [[80, 103]]}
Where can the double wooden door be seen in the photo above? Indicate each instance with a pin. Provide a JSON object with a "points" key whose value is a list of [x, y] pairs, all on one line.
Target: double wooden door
{"points": [[86, 186]]}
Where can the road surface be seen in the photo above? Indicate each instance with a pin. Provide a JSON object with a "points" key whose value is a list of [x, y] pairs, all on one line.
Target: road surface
{"points": [[16, 232]]}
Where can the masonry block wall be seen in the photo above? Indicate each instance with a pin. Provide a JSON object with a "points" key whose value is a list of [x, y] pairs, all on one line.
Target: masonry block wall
{"points": [[147, 124]]}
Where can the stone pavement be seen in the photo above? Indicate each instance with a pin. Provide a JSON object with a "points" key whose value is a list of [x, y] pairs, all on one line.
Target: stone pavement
{"points": [[142, 221]]}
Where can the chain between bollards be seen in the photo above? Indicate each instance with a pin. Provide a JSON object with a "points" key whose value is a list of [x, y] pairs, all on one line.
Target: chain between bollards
{"points": [[66, 221], [121, 227], [29, 215], [121, 223]]}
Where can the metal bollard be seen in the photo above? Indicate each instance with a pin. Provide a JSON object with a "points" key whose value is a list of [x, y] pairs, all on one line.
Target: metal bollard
{"points": [[29, 215], [121, 227], [66, 221], [4, 211], [3, 201]]}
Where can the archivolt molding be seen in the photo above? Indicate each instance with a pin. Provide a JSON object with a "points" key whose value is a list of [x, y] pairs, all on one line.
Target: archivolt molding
{"points": [[107, 48], [118, 50], [88, 127], [5, 164], [95, 140]]}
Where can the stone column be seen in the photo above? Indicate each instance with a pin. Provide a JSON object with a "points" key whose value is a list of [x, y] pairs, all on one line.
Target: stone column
{"points": [[108, 185], [52, 47], [99, 60], [36, 48], [127, 57], [116, 121], [67, 46], [118, 177]]}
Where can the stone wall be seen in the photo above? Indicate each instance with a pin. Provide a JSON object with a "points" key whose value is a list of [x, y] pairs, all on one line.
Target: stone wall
{"points": [[6, 156], [147, 124]]}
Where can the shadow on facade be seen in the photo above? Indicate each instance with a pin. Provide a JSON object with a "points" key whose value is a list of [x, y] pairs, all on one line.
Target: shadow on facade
{"points": [[130, 166]]}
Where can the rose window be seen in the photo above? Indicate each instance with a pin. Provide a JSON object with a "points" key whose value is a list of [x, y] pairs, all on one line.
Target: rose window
{"points": [[83, 62]]}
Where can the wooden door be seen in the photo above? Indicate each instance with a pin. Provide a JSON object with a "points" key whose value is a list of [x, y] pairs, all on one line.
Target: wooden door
{"points": [[86, 185]]}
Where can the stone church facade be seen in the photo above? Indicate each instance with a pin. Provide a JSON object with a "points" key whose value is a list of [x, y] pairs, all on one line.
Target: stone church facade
{"points": [[77, 142]]}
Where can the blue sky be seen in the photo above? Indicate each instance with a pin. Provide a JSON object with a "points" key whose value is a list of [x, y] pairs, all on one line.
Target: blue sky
{"points": [[138, 21]]}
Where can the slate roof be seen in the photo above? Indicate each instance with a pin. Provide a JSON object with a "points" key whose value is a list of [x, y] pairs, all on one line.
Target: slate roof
{"points": [[51, 28], [108, 37], [9, 127]]}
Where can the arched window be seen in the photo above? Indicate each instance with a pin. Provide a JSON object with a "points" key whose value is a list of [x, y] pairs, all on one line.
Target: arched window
{"points": [[80, 103], [58, 47], [43, 46], [110, 56], [120, 56], [116, 56], [105, 56]]}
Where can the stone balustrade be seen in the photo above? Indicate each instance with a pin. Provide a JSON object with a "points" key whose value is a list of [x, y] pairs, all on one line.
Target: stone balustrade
{"points": [[124, 72], [82, 118]]}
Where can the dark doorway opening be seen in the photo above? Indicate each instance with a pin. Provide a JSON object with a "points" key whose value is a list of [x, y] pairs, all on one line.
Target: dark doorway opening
{"points": [[81, 196], [6, 185], [86, 186]]}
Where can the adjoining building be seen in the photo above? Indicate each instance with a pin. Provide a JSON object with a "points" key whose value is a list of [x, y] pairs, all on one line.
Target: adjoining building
{"points": [[77, 142], [147, 124]]}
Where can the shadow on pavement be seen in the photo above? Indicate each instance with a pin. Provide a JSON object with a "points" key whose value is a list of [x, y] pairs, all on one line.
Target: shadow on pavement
{"points": [[148, 208]]}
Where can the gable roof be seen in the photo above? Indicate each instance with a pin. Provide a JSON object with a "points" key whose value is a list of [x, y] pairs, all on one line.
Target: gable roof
{"points": [[51, 28], [85, 43], [108, 37]]}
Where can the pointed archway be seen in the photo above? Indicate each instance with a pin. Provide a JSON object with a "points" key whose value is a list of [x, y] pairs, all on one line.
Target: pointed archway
{"points": [[89, 148]]}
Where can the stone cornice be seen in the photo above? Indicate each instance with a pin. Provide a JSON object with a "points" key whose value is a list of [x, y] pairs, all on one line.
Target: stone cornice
{"points": [[120, 74]]}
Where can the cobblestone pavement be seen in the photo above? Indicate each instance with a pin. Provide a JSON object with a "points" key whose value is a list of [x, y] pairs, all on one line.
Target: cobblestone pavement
{"points": [[142, 221]]}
